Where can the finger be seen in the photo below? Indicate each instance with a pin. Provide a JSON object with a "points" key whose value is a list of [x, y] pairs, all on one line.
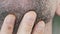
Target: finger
{"points": [[27, 23], [39, 28], [7, 27]]}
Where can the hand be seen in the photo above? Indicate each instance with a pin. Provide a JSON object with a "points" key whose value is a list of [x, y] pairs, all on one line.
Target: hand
{"points": [[26, 24]]}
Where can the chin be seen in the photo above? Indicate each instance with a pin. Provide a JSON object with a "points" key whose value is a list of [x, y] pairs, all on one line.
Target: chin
{"points": [[45, 9]]}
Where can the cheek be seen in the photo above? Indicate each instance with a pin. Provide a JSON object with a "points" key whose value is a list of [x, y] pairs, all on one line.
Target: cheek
{"points": [[58, 8]]}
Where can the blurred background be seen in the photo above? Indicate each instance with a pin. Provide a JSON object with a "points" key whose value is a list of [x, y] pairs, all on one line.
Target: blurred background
{"points": [[56, 25]]}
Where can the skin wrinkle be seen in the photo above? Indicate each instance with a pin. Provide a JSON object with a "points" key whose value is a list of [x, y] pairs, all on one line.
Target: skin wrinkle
{"points": [[45, 10]]}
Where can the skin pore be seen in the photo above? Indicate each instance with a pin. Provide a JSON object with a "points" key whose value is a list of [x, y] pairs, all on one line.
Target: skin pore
{"points": [[45, 9]]}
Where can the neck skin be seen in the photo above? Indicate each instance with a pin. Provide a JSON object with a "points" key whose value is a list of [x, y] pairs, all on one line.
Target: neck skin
{"points": [[48, 28]]}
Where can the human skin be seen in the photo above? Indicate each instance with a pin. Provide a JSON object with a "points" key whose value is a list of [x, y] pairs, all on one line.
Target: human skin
{"points": [[45, 10], [25, 26]]}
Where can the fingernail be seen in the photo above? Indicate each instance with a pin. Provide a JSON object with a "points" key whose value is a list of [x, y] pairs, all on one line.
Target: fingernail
{"points": [[31, 15], [10, 18], [42, 24]]}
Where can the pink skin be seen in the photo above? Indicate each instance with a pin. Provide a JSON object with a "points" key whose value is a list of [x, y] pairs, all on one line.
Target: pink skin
{"points": [[26, 25], [27, 4], [58, 8]]}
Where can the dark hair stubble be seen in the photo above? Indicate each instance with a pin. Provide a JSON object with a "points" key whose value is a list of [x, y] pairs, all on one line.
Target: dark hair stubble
{"points": [[45, 10]]}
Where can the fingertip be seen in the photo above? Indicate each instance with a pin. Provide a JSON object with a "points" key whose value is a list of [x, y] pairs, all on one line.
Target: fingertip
{"points": [[39, 28], [31, 13], [8, 24], [42, 23], [11, 16]]}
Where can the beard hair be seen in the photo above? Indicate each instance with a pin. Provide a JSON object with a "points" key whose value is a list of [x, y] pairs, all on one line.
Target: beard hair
{"points": [[44, 9]]}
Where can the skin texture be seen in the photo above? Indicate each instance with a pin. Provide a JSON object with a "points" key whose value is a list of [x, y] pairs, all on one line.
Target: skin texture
{"points": [[58, 8], [25, 26], [8, 24], [45, 10]]}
